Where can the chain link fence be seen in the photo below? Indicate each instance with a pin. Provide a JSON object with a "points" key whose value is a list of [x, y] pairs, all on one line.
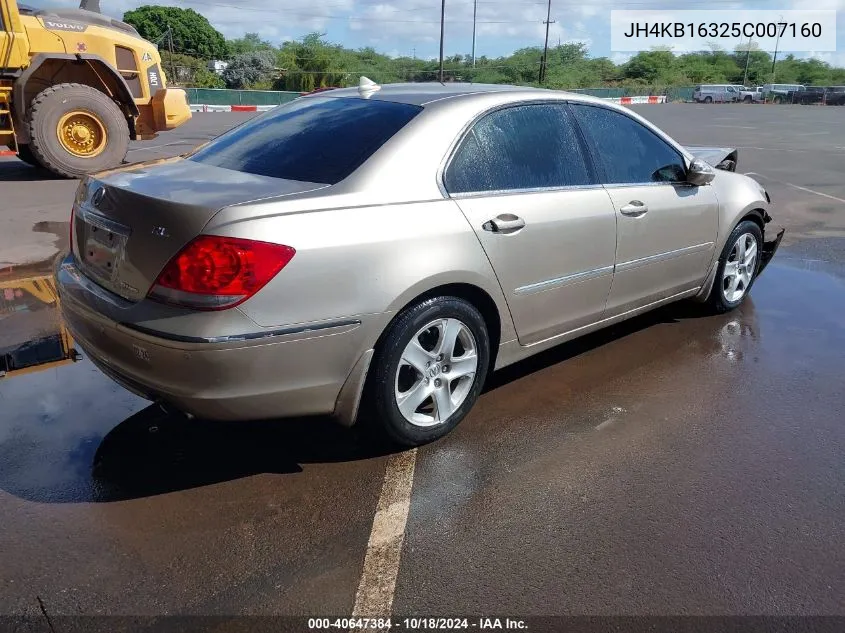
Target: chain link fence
{"points": [[673, 93], [220, 96]]}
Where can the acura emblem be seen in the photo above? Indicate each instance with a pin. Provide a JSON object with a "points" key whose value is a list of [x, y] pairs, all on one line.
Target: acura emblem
{"points": [[98, 196]]}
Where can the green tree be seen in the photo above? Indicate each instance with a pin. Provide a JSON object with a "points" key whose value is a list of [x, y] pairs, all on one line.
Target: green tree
{"points": [[192, 33], [249, 43], [650, 66], [190, 72], [250, 70], [314, 63], [205, 78]]}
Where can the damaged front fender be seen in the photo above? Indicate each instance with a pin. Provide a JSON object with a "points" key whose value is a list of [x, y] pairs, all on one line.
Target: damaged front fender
{"points": [[769, 249]]}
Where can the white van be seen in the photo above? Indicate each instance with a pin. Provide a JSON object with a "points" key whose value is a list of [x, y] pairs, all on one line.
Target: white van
{"points": [[721, 93]]}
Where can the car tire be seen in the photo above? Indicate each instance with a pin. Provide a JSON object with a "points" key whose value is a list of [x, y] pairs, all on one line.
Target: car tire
{"points": [[708, 99], [401, 378], [747, 99], [734, 280], [76, 130]]}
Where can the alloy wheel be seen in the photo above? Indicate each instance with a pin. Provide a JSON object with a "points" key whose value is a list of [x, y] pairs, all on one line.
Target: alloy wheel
{"points": [[739, 268], [436, 372]]}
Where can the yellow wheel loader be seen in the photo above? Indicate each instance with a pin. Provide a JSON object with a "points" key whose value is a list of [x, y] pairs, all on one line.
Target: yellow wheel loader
{"points": [[76, 86]]}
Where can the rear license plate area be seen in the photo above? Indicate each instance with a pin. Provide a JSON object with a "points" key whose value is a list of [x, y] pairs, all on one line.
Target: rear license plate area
{"points": [[102, 250]]}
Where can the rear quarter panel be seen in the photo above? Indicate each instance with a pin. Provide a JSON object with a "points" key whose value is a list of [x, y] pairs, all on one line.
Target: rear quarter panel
{"points": [[366, 262]]}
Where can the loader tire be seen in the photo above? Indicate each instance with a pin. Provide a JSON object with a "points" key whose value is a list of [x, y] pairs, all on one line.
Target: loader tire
{"points": [[25, 154], [76, 130]]}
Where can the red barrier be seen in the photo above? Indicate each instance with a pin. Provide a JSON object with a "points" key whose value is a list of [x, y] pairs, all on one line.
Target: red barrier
{"points": [[244, 108]]}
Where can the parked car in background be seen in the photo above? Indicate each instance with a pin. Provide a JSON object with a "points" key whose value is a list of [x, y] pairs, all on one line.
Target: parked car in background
{"points": [[720, 93], [807, 95], [835, 95], [779, 93], [393, 245], [751, 95]]}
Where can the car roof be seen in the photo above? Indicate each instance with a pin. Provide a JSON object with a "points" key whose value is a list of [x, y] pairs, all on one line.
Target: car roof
{"points": [[422, 94]]}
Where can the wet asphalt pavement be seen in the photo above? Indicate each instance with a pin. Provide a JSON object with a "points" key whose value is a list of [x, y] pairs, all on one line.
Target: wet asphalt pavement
{"points": [[674, 464]]}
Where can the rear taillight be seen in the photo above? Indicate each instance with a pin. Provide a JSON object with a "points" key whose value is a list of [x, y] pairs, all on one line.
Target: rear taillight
{"points": [[213, 273]]}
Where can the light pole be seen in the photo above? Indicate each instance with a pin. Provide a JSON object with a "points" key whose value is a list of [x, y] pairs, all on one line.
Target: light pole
{"points": [[775, 58], [442, 24], [747, 57], [546, 45], [474, 12]]}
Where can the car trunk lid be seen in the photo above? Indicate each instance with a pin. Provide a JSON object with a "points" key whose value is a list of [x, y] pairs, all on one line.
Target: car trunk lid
{"points": [[128, 224]]}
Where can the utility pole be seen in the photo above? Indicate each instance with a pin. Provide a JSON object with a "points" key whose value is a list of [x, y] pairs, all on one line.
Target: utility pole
{"points": [[170, 46], [747, 57], [474, 12], [546, 45], [775, 58], [442, 24]]}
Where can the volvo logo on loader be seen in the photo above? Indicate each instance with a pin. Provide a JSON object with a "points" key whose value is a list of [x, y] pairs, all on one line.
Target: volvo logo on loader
{"points": [[64, 26]]}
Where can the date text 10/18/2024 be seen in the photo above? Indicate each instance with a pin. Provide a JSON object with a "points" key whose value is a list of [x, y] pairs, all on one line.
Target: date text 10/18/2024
{"points": [[417, 624]]}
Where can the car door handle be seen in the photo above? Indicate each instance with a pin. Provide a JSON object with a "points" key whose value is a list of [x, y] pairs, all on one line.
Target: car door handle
{"points": [[505, 223], [634, 209]]}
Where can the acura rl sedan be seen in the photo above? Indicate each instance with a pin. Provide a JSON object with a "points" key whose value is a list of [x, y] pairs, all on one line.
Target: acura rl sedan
{"points": [[377, 252]]}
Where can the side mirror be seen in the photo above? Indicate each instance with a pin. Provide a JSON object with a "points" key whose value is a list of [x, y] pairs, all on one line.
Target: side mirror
{"points": [[700, 172]]}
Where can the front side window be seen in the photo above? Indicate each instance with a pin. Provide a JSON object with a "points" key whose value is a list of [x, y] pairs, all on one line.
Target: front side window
{"points": [[627, 150], [316, 139], [524, 147]]}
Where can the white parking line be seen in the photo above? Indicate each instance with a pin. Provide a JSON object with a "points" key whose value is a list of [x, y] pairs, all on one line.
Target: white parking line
{"points": [[799, 187], [381, 562], [781, 149]]}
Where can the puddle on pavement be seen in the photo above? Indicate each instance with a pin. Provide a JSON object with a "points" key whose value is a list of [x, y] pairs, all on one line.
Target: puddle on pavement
{"points": [[639, 382], [59, 416], [32, 335]]}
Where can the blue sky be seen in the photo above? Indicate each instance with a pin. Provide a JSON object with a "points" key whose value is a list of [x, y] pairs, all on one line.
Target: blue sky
{"points": [[406, 27]]}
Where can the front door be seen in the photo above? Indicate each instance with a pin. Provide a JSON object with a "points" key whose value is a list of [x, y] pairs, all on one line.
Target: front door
{"points": [[666, 228], [521, 179]]}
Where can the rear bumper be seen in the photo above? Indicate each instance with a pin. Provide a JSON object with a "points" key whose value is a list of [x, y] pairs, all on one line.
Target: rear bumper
{"points": [[300, 373]]}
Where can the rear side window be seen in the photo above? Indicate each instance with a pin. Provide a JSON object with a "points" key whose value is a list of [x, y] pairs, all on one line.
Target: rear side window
{"points": [[523, 147], [317, 139], [627, 150]]}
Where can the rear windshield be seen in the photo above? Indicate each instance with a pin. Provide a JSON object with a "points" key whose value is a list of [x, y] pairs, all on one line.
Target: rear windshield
{"points": [[315, 139]]}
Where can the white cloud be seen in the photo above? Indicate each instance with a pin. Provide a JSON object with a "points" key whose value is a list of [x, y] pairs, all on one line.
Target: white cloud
{"points": [[399, 26]]}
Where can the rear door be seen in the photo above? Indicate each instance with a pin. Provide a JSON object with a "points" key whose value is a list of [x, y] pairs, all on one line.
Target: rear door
{"points": [[666, 228], [521, 178]]}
